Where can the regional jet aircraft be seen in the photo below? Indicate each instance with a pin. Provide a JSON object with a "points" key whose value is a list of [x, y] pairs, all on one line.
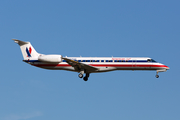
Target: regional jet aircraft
{"points": [[87, 65]]}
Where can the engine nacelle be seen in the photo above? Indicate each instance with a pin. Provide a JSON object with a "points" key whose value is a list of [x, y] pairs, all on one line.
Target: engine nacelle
{"points": [[50, 58]]}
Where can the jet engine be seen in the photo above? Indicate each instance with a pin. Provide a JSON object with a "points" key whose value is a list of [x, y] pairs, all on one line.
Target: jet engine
{"points": [[50, 58]]}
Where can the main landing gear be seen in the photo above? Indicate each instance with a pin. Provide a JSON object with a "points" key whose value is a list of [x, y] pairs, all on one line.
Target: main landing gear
{"points": [[85, 78]]}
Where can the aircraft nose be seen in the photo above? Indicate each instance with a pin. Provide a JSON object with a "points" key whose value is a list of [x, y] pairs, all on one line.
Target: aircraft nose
{"points": [[167, 68]]}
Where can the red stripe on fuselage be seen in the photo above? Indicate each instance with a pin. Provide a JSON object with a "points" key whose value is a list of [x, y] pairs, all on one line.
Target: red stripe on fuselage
{"points": [[102, 65], [129, 65]]}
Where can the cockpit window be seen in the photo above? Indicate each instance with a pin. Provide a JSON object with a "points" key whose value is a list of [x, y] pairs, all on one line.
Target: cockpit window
{"points": [[153, 60], [150, 60]]}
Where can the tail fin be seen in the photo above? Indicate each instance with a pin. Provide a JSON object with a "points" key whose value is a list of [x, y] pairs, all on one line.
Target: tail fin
{"points": [[27, 50]]}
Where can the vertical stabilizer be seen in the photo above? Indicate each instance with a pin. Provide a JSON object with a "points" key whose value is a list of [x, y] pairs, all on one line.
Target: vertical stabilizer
{"points": [[27, 50]]}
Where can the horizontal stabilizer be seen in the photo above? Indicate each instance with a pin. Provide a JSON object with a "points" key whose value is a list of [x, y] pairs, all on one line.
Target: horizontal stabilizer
{"points": [[20, 42]]}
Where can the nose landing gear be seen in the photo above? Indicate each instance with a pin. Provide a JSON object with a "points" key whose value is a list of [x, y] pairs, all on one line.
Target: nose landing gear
{"points": [[157, 76], [163, 70]]}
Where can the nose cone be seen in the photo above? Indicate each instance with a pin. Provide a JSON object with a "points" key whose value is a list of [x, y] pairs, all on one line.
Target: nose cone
{"points": [[167, 68]]}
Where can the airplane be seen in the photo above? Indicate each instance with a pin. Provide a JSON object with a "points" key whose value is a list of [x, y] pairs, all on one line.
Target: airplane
{"points": [[87, 65]]}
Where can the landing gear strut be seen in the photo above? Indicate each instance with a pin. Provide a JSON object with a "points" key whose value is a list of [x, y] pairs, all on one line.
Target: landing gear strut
{"points": [[163, 70]]}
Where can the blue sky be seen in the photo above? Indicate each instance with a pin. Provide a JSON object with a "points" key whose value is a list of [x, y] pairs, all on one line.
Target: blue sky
{"points": [[91, 29]]}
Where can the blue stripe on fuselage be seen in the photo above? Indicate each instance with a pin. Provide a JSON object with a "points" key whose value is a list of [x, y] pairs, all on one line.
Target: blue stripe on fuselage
{"points": [[96, 62]]}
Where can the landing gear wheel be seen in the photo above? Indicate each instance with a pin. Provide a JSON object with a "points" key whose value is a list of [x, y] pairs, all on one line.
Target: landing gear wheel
{"points": [[157, 76], [85, 78], [80, 75]]}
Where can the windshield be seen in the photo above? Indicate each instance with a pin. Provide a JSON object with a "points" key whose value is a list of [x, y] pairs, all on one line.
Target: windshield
{"points": [[153, 60]]}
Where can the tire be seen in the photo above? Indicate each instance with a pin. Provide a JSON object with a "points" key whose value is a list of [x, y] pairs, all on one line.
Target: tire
{"points": [[80, 75], [85, 78], [157, 76]]}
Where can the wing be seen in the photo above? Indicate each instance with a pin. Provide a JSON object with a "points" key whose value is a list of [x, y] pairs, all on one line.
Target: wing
{"points": [[79, 66]]}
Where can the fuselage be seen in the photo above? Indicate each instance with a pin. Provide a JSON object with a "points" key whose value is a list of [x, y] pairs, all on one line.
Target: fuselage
{"points": [[104, 64]]}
